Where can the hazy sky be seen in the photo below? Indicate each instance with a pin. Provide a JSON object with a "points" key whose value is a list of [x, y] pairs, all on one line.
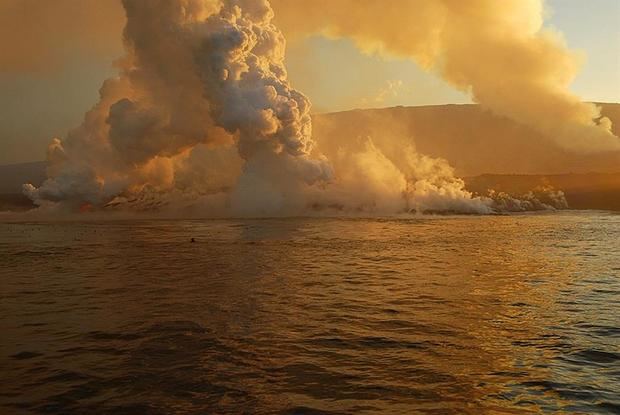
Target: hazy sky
{"points": [[367, 81], [38, 101]]}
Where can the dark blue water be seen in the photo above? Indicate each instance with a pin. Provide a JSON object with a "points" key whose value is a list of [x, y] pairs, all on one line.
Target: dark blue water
{"points": [[452, 315]]}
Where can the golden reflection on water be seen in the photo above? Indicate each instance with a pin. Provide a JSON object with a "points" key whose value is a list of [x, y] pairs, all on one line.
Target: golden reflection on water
{"points": [[444, 315]]}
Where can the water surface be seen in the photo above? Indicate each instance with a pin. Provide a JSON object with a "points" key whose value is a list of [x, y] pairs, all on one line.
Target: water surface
{"points": [[445, 315]]}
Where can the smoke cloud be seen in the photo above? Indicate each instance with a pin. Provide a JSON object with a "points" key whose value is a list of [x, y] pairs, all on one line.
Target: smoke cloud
{"points": [[196, 72], [202, 117], [498, 51]]}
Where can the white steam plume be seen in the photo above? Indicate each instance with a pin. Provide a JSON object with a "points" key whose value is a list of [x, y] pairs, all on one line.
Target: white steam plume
{"points": [[196, 71], [202, 117]]}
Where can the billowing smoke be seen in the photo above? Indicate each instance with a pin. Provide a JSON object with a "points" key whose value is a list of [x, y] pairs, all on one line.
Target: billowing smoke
{"points": [[498, 51], [202, 118], [196, 72]]}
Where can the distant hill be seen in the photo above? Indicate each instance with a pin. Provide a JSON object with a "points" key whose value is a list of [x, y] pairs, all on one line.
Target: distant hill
{"points": [[12, 177], [473, 140]]}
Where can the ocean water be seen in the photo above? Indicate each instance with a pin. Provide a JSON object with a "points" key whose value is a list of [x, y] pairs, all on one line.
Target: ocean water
{"points": [[439, 315]]}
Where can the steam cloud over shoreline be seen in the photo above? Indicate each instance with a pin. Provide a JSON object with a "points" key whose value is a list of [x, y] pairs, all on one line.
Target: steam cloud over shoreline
{"points": [[202, 117]]}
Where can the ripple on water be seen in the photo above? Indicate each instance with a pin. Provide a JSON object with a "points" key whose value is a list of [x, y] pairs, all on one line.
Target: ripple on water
{"points": [[312, 316]]}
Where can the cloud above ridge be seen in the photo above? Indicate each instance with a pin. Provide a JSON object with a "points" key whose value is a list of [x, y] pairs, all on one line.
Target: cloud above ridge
{"points": [[497, 51]]}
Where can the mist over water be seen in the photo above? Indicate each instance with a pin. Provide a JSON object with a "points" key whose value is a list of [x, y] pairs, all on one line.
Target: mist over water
{"points": [[450, 315]]}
